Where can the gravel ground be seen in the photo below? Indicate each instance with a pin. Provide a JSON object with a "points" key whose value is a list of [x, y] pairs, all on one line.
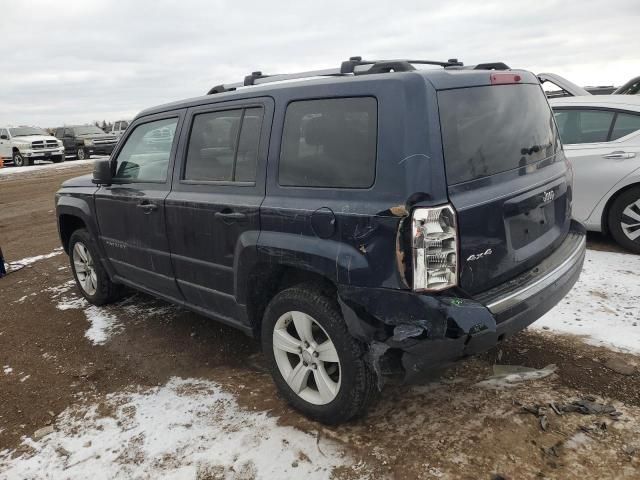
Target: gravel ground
{"points": [[143, 389]]}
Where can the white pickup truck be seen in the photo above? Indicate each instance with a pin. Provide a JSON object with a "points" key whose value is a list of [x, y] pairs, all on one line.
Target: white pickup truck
{"points": [[24, 145], [118, 128]]}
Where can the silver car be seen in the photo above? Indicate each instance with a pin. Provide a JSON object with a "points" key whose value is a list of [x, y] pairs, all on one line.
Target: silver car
{"points": [[601, 137]]}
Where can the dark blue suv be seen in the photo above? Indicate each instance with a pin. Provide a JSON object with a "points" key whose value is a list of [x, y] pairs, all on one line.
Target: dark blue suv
{"points": [[367, 221]]}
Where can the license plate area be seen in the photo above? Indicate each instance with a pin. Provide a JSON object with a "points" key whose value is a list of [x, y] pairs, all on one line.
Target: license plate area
{"points": [[530, 216], [528, 226]]}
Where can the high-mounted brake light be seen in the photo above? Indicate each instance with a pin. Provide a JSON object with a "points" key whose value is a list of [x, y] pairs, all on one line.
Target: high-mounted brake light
{"points": [[434, 237], [505, 78]]}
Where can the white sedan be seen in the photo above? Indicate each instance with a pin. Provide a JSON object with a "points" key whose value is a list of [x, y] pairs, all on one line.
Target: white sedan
{"points": [[601, 137]]}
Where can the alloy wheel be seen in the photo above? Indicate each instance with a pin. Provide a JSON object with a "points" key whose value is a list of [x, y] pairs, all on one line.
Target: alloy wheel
{"points": [[84, 268], [630, 221], [18, 160], [81, 154], [307, 358]]}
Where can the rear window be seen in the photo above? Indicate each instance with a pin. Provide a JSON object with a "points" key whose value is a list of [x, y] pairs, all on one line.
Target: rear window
{"points": [[488, 130], [329, 143]]}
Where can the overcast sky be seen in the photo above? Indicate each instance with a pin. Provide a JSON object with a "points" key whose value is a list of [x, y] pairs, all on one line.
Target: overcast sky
{"points": [[78, 61]]}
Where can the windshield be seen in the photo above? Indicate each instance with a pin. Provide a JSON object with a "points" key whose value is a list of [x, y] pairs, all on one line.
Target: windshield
{"points": [[24, 131], [488, 130], [86, 130]]}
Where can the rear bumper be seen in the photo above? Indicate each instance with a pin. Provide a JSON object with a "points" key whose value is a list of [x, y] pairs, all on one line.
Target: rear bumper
{"points": [[419, 333]]}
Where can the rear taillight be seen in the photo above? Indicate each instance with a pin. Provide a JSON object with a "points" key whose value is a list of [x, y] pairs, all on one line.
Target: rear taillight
{"points": [[434, 237]]}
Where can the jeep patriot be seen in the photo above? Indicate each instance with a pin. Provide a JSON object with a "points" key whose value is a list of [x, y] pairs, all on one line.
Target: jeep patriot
{"points": [[362, 222]]}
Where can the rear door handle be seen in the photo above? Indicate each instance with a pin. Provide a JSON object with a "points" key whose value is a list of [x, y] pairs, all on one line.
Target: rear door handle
{"points": [[230, 216], [147, 206], [619, 155]]}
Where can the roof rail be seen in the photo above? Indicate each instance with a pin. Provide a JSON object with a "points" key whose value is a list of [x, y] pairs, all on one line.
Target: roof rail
{"points": [[348, 67], [492, 66]]}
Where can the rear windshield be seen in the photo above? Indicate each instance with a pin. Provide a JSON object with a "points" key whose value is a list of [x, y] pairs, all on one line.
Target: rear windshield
{"points": [[488, 130]]}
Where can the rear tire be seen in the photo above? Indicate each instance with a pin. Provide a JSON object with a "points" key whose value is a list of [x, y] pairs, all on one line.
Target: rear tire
{"points": [[344, 388], [82, 154], [624, 220], [91, 277]]}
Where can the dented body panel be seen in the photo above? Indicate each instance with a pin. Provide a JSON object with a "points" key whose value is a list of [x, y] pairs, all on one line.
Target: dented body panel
{"points": [[430, 331]]}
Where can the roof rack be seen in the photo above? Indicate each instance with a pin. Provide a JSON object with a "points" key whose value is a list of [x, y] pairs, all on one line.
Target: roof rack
{"points": [[348, 67]]}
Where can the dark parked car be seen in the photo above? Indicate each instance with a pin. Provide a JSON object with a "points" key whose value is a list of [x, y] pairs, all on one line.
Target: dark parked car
{"points": [[380, 220], [82, 141]]}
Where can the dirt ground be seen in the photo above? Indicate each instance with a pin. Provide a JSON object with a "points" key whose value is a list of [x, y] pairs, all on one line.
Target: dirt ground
{"points": [[451, 428]]}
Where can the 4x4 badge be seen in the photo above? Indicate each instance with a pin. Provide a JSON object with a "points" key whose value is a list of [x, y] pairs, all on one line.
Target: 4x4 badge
{"points": [[548, 196], [478, 256]]}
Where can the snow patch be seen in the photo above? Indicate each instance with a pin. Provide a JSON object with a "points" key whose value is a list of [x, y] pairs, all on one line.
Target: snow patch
{"points": [[604, 305], [7, 369], [18, 264], [13, 171], [505, 376], [103, 324], [186, 429]]}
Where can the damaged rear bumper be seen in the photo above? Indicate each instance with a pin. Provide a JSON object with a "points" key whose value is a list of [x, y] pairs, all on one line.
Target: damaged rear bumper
{"points": [[414, 334]]}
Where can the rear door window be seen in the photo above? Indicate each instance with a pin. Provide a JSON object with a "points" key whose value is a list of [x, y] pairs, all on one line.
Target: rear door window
{"points": [[584, 126], [223, 146], [625, 124], [329, 143], [492, 129]]}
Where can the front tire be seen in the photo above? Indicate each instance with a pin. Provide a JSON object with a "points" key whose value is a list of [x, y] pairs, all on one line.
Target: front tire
{"points": [[20, 161], [91, 277], [624, 220], [317, 366], [57, 158]]}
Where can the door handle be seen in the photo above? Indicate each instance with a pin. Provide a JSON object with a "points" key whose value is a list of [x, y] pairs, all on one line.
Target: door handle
{"points": [[147, 206], [230, 216], [619, 155]]}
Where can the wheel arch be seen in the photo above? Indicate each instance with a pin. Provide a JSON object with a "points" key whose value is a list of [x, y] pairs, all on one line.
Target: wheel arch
{"points": [[266, 280], [67, 224], [604, 219]]}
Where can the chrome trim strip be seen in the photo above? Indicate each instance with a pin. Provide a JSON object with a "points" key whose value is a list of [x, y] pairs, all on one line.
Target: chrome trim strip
{"points": [[540, 284]]}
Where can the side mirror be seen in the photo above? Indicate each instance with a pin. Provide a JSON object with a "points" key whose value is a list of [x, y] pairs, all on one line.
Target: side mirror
{"points": [[4, 137], [102, 172]]}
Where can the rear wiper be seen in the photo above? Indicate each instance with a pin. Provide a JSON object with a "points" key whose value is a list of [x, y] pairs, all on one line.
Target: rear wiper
{"points": [[533, 149], [530, 150]]}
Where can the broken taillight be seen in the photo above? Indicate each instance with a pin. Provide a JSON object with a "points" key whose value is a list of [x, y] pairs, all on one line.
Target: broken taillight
{"points": [[434, 238]]}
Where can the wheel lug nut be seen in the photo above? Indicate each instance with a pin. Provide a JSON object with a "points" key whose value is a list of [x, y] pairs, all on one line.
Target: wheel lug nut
{"points": [[306, 344], [316, 354], [305, 364], [315, 367]]}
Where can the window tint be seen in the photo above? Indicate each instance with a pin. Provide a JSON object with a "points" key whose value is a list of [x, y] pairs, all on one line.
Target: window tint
{"points": [[4, 132], [145, 155], [223, 146], [59, 132], [329, 143], [584, 126], [488, 130], [625, 124]]}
